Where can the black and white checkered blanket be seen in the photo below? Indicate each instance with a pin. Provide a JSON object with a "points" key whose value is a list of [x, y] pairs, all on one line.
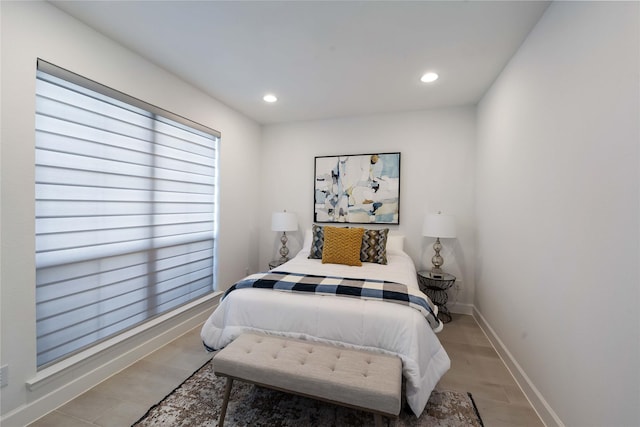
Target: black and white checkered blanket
{"points": [[341, 286]]}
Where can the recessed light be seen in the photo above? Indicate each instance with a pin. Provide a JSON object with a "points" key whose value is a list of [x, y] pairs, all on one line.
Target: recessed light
{"points": [[429, 77], [270, 98]]}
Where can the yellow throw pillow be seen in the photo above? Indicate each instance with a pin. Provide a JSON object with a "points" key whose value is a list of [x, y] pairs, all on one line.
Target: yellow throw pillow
{"points": [[342, 246]]}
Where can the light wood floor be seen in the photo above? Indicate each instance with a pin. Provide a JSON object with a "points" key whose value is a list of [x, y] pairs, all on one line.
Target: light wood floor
{"points": [[124, 398], [477, 368]]}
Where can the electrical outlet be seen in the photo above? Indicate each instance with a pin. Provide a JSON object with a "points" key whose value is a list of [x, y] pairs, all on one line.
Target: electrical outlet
{"points": [[4, 375]]}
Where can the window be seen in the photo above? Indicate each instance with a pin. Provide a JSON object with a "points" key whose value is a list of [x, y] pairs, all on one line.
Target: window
{"points": [[125, 212]]}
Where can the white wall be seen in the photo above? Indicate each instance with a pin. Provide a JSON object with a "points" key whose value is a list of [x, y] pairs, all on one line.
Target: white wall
{"points": [[557, 200], [437, 173], [558, 212], [34, 29]]}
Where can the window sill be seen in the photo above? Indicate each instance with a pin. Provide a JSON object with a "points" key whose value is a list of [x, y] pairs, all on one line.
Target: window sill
{"points": [[51, 373]]}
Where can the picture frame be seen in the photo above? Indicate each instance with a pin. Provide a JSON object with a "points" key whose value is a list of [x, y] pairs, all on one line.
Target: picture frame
{"points": [[357, 189]]}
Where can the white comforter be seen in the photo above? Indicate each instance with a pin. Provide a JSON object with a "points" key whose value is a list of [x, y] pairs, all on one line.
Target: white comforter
{"points": [[350, 322]]}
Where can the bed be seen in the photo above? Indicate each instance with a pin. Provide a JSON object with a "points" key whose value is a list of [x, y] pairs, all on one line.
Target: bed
{"points": [[360, 323]]}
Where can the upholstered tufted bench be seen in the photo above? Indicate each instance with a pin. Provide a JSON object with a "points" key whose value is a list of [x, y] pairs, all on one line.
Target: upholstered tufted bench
{"points": [[352, 378]]}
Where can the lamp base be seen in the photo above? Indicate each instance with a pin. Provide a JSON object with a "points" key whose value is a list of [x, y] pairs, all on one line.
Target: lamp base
{"points": [[437, 260], [436, 273], [284, 251]]}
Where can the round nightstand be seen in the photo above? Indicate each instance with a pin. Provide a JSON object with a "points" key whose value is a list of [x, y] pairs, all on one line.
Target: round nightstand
{"points": [[435, 285], [275, 263]]}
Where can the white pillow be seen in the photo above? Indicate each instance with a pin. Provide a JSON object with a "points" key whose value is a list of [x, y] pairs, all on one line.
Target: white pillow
{"points": [[308, 238], [395, 243]]}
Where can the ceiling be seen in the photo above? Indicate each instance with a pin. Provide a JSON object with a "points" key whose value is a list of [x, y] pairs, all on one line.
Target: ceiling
{"points": [[321, 59]]}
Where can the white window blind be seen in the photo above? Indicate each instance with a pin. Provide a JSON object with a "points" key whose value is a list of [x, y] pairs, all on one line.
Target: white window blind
{"points": [[125, 212]]}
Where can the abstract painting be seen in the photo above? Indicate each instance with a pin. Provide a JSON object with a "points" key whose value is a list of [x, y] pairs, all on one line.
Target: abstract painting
{"points": [[361, 189]]}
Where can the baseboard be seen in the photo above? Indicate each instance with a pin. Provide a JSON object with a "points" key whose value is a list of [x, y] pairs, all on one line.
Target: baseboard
{"points": [[460, 308], [113, 361], [539, 404]]}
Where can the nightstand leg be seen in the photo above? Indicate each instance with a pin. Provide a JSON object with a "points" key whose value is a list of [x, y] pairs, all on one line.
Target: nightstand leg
{"points": [[444, 314]]}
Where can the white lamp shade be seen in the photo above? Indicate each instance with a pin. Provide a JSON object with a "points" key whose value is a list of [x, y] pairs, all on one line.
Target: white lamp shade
{"points": [[438, 225], [284, 221]]}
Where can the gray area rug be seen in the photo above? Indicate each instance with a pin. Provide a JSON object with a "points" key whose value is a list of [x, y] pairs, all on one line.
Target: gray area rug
{"points": [[197, 401]]}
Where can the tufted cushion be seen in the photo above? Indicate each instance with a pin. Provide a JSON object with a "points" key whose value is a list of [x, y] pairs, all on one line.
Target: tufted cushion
{"points": [[317, 241], [374, 246], [342, 246], [352, 377]]}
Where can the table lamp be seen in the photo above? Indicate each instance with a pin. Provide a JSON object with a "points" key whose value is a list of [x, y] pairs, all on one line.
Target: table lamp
{"points": [[438, 226], [284, 221]]}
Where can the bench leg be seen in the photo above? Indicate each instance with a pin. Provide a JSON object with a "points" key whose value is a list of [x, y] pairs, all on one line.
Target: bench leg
{"points": [[225, 402], [377, 419]]}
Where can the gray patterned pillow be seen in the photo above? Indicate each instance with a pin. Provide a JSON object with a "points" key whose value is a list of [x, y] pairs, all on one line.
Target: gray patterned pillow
{"points": [[374, 246], [317, 242]]}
